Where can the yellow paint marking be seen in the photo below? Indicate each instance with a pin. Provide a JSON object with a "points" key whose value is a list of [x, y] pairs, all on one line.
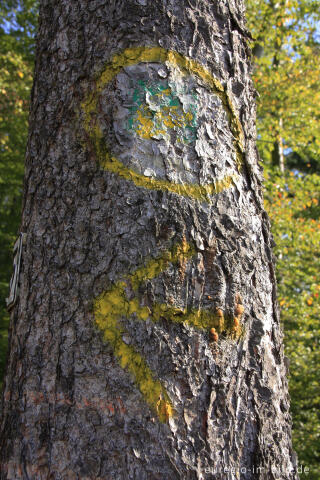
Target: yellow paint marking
{"points": [[148, 123], [112, 305], [133, 56], [201, 192]]}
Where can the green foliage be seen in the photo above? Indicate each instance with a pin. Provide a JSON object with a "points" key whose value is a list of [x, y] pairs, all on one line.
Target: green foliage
{"points": [[286, 75], [17, 27], [293, 203]]}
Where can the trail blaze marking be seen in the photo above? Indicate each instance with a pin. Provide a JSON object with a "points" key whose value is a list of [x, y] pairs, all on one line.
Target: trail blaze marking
{"points": [[113, 305], [147, 124]]}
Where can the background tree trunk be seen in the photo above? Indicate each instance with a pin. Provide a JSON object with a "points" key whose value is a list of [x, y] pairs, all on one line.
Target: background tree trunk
{"points": [[145, 343]]}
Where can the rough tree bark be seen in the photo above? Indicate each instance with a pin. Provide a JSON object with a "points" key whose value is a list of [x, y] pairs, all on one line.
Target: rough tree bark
{"points": [[145, 343]]}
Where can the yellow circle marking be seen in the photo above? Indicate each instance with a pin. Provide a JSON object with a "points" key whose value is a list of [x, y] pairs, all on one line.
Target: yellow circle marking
{"points": [[133, 56]]}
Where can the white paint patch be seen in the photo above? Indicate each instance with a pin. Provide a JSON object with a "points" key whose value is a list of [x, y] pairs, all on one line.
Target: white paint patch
{"points": [[167, 125]]}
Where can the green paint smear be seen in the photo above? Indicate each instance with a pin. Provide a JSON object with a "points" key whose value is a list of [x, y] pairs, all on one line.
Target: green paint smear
{"points": [[168, 112]]}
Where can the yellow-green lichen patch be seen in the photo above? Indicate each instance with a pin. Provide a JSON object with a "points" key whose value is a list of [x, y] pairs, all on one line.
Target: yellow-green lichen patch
{"points": [[168, 117]]}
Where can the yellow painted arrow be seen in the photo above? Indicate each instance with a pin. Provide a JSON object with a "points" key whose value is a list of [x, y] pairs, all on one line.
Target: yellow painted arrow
{"points": [[113, 304]]}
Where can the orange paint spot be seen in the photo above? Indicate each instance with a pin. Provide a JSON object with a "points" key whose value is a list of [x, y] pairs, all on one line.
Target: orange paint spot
{"points": [[121, 406], [110, 408], [86, 402]]}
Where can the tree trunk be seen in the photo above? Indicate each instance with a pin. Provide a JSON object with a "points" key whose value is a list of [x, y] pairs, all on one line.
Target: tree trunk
{"points": [[145, 342], [280, 146]]}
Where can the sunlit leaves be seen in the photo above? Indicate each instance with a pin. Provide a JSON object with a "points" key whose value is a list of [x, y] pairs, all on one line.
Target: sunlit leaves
{"points": [[287, 75], [293, 205], [17, 27]]}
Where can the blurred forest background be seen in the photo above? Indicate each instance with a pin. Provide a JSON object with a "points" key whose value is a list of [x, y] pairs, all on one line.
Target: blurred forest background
{"points": [[286, 74]]}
